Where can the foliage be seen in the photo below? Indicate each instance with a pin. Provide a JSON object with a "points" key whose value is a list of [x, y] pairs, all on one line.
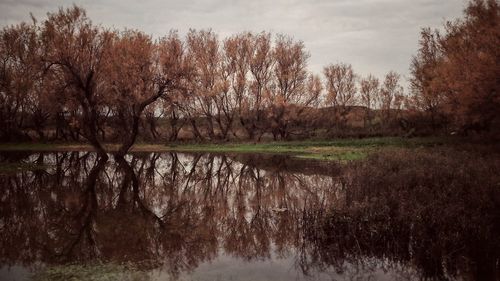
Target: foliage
{"points": [[455, 73], [65, 78]]}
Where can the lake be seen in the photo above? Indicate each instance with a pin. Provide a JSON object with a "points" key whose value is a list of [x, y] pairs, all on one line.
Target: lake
{"points": [[176, 216]]}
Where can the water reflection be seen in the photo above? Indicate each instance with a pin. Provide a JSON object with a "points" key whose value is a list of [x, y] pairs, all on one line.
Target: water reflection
{"points": [[196, 216]]}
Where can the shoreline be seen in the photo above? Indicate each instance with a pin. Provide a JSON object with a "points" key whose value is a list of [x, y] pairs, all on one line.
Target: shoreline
{"points": [[337, 149]]}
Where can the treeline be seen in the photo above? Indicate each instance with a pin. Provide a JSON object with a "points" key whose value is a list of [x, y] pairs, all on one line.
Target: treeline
{"points": [[65, 78]]}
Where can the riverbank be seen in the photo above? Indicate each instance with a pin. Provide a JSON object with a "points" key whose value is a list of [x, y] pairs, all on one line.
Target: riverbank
{"points": [[339, 149]]}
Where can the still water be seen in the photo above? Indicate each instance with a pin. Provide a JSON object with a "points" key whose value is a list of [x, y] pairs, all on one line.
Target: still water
{"points": [[174, 216]]}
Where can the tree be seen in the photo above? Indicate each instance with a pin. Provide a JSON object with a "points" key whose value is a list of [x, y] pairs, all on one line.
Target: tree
{"points": [[173, 109], [341, 90], [19, 77], [306, 116], [140, 73], [390, 91], [203, 48], [130, 82], [455, 73], [314, 88], [261, 65], [369, 91], [233, 80], [73, 53], [425, 83], [290, 76], [107, 75], [471, 65]]}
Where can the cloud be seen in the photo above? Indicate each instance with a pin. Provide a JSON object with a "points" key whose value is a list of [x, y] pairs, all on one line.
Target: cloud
{"points": [[374, 35]]}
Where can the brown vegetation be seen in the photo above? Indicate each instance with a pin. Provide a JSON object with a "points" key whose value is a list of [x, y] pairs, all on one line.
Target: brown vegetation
{"points": [[65, 78], [455, 75], [439, 214]]}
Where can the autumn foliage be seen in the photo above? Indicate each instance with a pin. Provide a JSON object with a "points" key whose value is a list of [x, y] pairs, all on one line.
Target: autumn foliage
{"points": [[455, 75], [66, 78]]}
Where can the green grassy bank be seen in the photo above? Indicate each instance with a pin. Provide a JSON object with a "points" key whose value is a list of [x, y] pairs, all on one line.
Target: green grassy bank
{"points": [[340, 149]]}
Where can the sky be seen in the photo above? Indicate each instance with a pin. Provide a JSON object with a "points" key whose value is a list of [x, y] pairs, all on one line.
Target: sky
{"points": [[375, 36]]}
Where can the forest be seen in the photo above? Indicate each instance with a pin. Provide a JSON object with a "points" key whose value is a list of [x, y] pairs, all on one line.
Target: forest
{"points": [[67, 79]]}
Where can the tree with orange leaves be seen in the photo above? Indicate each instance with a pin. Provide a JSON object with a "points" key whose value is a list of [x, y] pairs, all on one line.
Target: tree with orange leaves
{"points": [[140, 72], [203, 49], [390, 92], [252, 108], [456, 73], [20, 81], [105, 71], [369, 91], [341, 91], [471, 66], [234, 81], [73, 53], [426, 85], [289, 77]]}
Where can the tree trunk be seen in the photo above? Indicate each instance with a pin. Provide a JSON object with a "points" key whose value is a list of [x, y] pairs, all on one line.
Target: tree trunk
{"points": [[196, 132], [130, 140], [211, 133]]}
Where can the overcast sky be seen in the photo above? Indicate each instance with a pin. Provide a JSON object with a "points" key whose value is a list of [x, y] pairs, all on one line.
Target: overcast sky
{"points": [[375, 36]]}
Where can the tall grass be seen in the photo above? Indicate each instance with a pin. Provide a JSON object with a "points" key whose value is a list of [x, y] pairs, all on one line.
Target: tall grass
{"points": [[437, 210]]}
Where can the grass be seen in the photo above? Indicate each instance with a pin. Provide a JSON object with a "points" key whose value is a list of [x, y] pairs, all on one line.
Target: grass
{"points": [[339, 149], [349, 155], [438, 206]]}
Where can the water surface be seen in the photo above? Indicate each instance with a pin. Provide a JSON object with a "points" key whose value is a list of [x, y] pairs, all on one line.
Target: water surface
{"points": [[174, 216]]}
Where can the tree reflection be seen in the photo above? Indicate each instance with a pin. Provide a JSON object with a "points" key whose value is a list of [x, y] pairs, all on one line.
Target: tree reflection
{"points": [[175, 211]]}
